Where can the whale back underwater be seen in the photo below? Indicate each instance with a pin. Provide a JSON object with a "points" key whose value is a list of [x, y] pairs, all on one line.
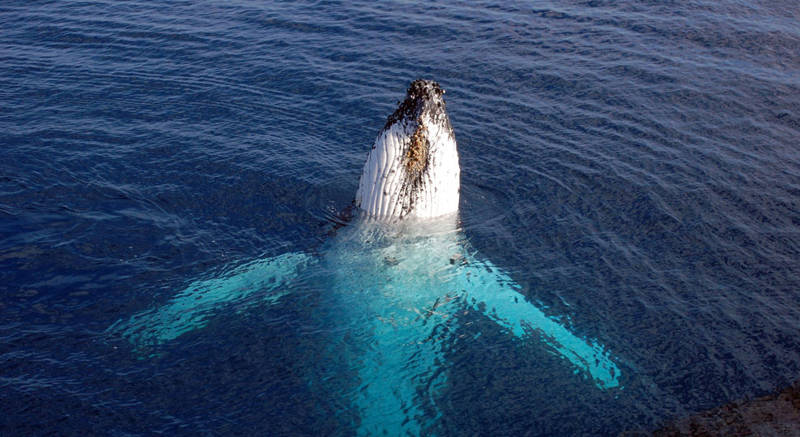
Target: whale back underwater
{"points": [[400, 272]]}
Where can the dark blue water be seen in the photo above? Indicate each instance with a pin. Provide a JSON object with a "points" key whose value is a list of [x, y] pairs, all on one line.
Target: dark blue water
{"points": [[633, 165]]}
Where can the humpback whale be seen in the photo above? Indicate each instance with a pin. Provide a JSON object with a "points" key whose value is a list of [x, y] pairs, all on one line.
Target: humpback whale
{"points": [[400, 273]]}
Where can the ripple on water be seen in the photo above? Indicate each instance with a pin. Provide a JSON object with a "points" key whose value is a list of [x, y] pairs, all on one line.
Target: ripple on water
{"points": [[632, 165]]}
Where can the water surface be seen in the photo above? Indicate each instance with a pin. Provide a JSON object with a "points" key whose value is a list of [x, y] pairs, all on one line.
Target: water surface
{"points": [[632, 165]]}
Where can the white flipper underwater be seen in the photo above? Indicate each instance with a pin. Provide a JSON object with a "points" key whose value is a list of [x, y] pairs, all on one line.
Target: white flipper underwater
{"points": [[397, 276], [491, 290], [190, 309]]}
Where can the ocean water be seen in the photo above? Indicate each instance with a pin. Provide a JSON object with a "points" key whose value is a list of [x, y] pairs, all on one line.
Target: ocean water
{"points": [[633, 166]]}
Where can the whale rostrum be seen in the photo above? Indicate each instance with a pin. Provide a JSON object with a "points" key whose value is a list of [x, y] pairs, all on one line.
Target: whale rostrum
{"points": [[412, 170], [397, 284]]}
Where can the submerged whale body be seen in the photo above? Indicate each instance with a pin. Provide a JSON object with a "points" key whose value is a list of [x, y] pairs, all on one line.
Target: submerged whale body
{"points": [[397, 275]]}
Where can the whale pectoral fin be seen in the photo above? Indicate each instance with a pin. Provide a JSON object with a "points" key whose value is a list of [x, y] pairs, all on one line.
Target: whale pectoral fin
{"points": [[191, 308], [493, 292]]}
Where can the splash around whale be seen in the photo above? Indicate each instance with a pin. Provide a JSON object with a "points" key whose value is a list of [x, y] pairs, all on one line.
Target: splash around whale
{"points": [[396, 277]]}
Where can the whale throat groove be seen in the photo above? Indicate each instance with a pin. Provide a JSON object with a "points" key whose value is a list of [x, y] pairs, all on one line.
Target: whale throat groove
{"points": [[412, 169]]}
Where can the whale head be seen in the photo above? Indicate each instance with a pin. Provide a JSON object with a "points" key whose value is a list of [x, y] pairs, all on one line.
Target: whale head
{"points": [[412, 169]]}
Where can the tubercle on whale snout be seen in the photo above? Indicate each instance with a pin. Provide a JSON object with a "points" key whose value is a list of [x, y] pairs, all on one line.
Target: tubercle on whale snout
{"points": [[423, 96]]}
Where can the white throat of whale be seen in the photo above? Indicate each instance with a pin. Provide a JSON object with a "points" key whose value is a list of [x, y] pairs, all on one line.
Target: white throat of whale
{"points": [[412, 169]]}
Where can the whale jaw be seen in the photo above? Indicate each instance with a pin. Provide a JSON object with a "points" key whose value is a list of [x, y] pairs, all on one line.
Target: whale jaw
{"points": [[412, 169]]}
